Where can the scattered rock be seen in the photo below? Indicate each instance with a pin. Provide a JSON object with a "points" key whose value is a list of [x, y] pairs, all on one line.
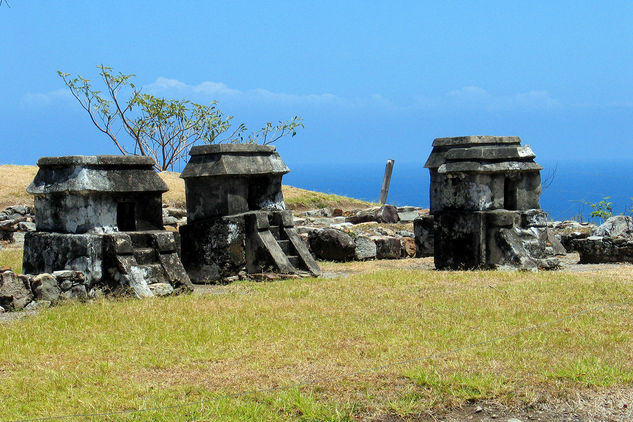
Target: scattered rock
{"points": [[26, 226], [610, 242], [408, 214], [17, 238], [341, 226], [15, 291], [45, 287], [38, 304], [388, 247], [384, 214], [408, 247], [365, 248], [617, 226], [174, 217], [568, 231], [321, 212], [161, 289], [331, 244]]}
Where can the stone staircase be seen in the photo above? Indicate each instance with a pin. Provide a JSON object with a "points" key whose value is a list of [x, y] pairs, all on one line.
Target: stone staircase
{"points": [[285, 244], [146, 262], [272, 238]]}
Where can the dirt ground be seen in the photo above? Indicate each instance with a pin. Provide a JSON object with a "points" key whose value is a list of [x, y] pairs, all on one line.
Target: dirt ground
{"points": [[614, 405]]}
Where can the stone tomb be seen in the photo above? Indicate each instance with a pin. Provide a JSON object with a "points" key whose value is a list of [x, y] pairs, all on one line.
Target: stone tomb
{"points": [[102, 216], [236, 217], [484, 198]]}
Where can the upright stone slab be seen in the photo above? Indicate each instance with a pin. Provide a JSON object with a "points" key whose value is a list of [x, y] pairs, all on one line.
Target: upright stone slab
{"points": [[484, 196], [102, 215], [236, 217]]}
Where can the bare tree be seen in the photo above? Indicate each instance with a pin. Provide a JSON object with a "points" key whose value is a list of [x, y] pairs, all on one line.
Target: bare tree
{"points": [[164, 129]]}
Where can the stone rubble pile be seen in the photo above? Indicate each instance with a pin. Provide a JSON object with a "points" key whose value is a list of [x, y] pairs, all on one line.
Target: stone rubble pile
{"points": [[15, 221], [336, 235], [358, 235], [569, 230], [174, 217], [18, 292], [610, 242]]}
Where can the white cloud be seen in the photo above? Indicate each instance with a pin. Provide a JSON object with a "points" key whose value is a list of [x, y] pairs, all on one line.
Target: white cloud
{"points": [[469, 97], [218, 90], [43, 99], [478, 98]]}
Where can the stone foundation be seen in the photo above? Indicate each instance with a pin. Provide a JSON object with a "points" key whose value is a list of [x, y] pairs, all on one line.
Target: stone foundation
{"points": [[494, 239], [252, 242], [118, 263]]}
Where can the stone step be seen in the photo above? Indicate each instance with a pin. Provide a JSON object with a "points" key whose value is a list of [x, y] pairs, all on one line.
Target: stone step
{"points": [[145, 256], [295, 261], [285, 246], [153, 273], [276, 231], [140, 240]]}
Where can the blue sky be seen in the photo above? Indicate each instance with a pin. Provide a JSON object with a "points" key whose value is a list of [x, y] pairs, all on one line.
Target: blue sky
{"points": [[372, 79]]}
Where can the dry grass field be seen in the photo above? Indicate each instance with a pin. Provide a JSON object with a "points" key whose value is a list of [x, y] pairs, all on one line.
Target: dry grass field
{"points": [[13, 183]]}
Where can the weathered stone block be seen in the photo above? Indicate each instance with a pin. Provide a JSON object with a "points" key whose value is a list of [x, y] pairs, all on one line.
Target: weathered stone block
{"points": [[388, 247], [460, 240], [175, 271], [164, 242], [365, 248], [49, 252], [598, 249], [502, 218], [533, 218], [45, 287], [287, 219], [213, 249], [15, 291], [119, 243], [331, 244], [424, 235]]}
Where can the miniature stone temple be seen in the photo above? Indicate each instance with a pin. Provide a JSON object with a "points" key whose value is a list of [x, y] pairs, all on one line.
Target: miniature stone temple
{"points": [[236, 217], [102, 216], [485, 202]]}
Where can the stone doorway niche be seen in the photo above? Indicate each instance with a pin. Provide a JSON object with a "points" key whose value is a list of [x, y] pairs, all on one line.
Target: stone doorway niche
{"points": [[509, 193], [126, 216]]}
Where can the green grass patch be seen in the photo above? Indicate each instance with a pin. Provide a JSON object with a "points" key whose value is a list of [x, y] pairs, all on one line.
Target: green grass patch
{"points": [[301, 199], [345, 333]]}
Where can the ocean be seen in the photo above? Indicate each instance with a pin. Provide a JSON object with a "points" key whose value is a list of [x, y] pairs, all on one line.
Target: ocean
{"points": [[568, 186]]}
